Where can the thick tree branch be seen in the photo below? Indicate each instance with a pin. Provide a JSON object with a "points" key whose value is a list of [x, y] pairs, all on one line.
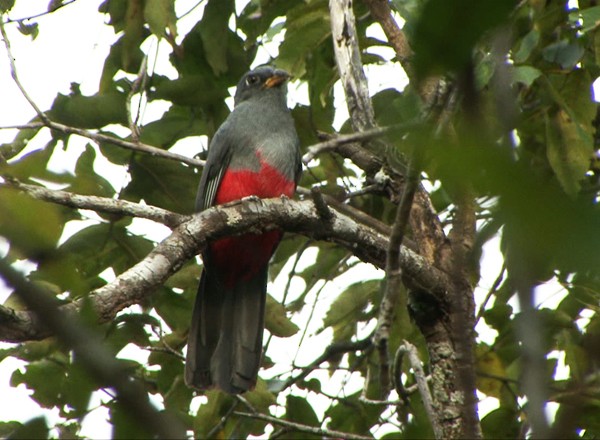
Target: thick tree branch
{"points": [[90, 351], [347, 55], [380, 10], [190, 237], [95, 203]]}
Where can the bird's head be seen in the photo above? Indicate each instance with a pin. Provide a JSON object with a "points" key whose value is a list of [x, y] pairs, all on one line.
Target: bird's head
{"points": [[262, 81]]}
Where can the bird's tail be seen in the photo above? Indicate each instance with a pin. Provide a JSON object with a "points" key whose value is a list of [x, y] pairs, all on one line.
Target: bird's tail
{"points": [[225, 338]]}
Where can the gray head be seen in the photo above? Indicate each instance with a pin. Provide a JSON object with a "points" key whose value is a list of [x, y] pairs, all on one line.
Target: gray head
{"points": [[262, 82]]}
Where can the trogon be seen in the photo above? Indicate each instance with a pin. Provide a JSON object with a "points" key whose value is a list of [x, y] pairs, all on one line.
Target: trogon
{"points": [[255, 152]]}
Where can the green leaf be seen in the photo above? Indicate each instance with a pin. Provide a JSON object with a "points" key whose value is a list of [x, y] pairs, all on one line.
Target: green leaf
{"points": [[564, 53], [525, 75], [214, 32], [528, 43], [307, 28], [590, 18], [164, 183], [86, 180], [89, 111], [298, 410], [48, 393], [6, 5], [160, 15], [131, 55], [348, 308], [276, 320]]}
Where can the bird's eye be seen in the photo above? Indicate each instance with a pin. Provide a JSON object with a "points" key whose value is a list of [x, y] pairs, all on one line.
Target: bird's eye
{"points": [[251, 80]]}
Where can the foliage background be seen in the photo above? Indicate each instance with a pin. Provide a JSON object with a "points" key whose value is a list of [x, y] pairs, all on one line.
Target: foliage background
{"points": [[541, 196]]}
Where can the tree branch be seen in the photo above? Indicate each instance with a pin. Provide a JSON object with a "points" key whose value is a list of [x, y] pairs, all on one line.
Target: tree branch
{"points": [[416, 365], [347, 55], [15, 76], [98, 204], [393, 270], [328, 433], [256, 216], [334, 349]]}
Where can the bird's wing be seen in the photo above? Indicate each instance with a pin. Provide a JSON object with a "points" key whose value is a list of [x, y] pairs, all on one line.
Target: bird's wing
{"points": [[219, 156]]}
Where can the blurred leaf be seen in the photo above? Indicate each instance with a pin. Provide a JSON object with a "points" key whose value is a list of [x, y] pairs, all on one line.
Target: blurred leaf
{"points": [[124, 425], [36, 428], [349, 415], [8, 428], [276, 320], [209, 414], [569, 151], [6, 5], [525, 75], [527, 44], [28, 29], [175, 308], [20, 223], [588, 18], [564, 53], [465, 20], [501, 423], [489, 371]]}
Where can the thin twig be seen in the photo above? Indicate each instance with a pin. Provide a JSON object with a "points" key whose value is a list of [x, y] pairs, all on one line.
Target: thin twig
{"points": [[15, 76], [332, 350], [41, 14], [303, 428], [491, 293], [98, 137], [342, 139], [136, 85], [213, 431]]}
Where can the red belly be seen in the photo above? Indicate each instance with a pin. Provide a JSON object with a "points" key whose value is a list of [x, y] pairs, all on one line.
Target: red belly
{"points": [[240, 258]]}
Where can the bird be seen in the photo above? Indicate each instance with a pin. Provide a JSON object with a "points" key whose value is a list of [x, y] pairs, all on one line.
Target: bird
{"points": [[255, 152]]}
